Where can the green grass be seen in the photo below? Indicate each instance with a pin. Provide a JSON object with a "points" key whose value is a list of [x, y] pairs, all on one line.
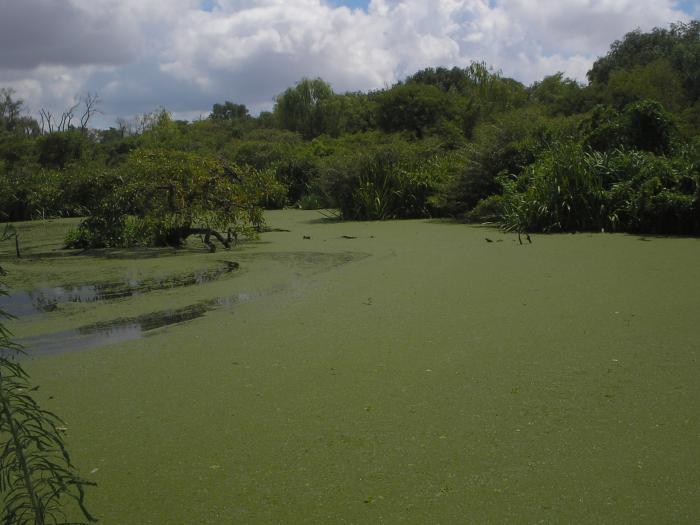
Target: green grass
{"points": [[441, 379]]}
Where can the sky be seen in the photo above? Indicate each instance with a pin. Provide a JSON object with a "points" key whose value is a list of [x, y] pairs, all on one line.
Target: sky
{"points": [[186, 55]]}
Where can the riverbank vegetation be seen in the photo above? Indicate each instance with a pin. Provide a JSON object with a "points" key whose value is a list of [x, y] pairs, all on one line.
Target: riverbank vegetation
{"points": [[38, 482], [619, 153]]}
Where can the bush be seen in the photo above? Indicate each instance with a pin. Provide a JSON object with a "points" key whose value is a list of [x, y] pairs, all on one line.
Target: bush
{"points": [[506, 144], [312, 202], [654, 194], [162, 197], [643, 126], [570, 189], [264, 188], [376, 181], [382, 187], [489, 209], [561, 193]]}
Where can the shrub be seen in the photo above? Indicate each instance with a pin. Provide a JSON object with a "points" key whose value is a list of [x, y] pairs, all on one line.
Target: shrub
{"points": [[384, 181], [506, 144], [643, 126], [569, 189], [312, 202], [162, 197], [489, 209], [562, 193]]}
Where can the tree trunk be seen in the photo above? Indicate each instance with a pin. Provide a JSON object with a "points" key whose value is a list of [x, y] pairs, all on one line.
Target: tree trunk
{"points": [[208, 233]]}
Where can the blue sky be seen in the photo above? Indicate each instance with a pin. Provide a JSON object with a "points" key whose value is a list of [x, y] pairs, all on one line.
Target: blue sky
{"points": [[353, 4], [187, 55], [692, 7]]}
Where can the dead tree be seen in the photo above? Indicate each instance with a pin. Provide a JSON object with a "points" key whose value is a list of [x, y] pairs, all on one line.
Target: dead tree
{"points": [[91, 103], [49, 123]]}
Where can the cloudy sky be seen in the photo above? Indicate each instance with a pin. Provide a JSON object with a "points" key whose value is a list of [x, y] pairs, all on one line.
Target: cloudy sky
{"points": [[188, 54]]}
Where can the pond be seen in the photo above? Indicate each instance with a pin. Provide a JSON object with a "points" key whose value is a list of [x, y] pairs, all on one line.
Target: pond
{"points": [[385, 372]]}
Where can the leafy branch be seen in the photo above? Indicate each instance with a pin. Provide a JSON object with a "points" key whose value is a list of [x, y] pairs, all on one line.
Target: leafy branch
{"points": [[36, 474]]}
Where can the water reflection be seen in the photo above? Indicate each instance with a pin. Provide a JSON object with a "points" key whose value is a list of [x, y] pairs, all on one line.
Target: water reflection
{"points": [[23, 304], [41, 300], [123, 329]]}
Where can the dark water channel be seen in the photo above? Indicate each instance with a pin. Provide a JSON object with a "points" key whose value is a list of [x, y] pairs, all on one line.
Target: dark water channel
{"points": [[45, 300], [122, 329], [42, 300]]}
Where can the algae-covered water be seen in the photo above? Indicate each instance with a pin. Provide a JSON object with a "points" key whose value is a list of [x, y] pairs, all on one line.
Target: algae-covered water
{"points": [[393, 372]]}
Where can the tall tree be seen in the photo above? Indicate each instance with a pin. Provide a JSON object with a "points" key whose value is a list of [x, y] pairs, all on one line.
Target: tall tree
{"points": [[413, 107], [229, 111], [680, 45], [304, 108]]}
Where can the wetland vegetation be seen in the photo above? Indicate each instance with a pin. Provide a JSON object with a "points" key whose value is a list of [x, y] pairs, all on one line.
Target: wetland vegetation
{"points": [[219, 359]]}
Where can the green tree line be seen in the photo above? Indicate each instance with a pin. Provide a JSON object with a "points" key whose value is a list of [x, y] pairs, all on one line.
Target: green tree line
{"points": [[620, 152]]}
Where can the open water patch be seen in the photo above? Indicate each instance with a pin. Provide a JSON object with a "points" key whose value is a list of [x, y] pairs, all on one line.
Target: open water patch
{"points": [[124, 328], [42, 300]]}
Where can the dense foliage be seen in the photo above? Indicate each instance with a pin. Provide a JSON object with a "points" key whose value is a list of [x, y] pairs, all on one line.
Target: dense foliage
{"points": [[618, 153], [160, 198]]}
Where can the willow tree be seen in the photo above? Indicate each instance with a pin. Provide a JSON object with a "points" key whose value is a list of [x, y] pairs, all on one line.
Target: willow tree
{"points": [[162, 197], [305, 108]]}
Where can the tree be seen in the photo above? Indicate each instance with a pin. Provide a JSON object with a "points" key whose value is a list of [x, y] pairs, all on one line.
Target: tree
{"points": [[229, 111], [10, 109], [266, 119], [507, 143], [643, 126], [11, 118], [657, 80], [679, 45], [648, 127], [559, 95], [90, 103], [413, 107], [477, 91], [455, 79], [60, 148], [160, 131], [303, 109], [162, 197]]}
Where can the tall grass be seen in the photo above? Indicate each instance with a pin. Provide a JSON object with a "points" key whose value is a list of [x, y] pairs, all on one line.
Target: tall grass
{"points": [[570, 188]]}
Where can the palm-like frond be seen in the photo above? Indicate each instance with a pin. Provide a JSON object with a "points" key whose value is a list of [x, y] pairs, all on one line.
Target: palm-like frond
{"points": [[37, 478]]}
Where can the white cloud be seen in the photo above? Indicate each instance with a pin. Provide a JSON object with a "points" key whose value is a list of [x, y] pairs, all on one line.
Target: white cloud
{"points": [[141, 53]]}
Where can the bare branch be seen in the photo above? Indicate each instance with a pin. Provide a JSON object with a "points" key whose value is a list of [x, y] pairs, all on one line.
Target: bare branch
{"points": [[91, 103], [125, 127], [67, 117], [46, 120]]}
